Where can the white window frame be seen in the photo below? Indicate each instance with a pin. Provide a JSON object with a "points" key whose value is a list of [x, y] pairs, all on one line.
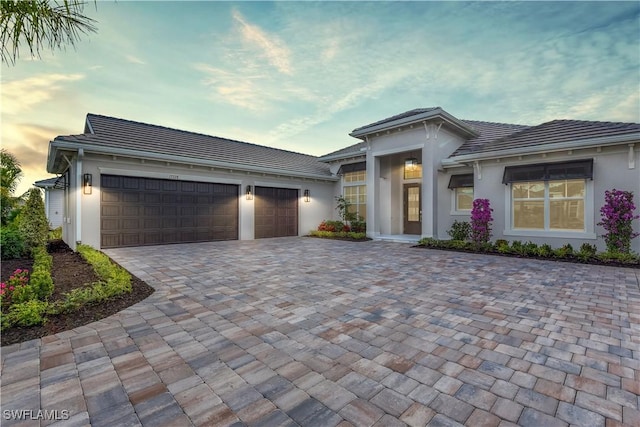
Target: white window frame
{"points": [[454, 202], [346, 184], [589, 216]]}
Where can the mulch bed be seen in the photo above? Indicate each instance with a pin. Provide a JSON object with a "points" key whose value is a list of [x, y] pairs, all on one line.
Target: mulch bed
{"points": [[571, 259], [69, 271]]}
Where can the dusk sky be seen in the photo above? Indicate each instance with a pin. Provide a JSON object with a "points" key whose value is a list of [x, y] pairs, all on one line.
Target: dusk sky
{"points": [[300, 76]]}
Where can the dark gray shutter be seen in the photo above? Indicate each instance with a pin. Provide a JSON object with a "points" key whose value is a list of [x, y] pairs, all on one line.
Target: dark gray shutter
{"points": [[352, 167], [575, 169], [459, 181]]}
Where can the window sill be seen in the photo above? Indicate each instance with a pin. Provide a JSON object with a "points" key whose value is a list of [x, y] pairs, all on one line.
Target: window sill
{"points": [[560, 234], [459, 213]]}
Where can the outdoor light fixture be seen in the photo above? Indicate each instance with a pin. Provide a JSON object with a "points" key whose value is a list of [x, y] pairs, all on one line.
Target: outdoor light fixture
{"points": [[411, 164], [307, 195], [87, 183], [249, 193]]}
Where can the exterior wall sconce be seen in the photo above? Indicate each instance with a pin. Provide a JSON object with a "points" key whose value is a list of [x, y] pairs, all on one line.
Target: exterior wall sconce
{"points": [[249, 193], [307, 195], [87, 183], [411, 164]]}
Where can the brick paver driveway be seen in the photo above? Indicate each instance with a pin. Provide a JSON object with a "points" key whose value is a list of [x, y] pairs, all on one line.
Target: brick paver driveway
{"points": [[310, 332]]}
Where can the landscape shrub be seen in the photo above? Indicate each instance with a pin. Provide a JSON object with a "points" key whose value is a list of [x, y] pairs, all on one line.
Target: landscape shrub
{"points": [[587, 252], [16, 282], [32, 221], [11, 242], [55, 234], [338, 234], [617, 220], [563, 251], [28, 313], [545, 250], [359, 226], [332, 226], [460, 230], [481, 221]]}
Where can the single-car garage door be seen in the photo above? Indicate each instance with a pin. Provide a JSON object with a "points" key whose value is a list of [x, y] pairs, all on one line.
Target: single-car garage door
{"points": [[146, 211], [276, 212]]}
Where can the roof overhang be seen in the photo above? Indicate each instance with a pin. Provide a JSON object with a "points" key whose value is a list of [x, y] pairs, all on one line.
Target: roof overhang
{"points": [[438, 113], [456, 161], [60, 147], [354, 155]]}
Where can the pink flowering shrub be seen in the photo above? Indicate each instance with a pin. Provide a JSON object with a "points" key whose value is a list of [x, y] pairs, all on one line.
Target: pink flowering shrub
{"points": [[19, 279], [481, 221], [617, 220]]}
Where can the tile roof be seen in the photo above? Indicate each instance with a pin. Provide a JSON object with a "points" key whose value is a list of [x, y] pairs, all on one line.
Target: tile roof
{"points": [[553, 132], [488, 131], [400, 116], [350, 151], [119, 134]]}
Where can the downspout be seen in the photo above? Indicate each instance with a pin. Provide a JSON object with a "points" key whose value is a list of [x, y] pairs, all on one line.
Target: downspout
{"points": [[79, 195]]}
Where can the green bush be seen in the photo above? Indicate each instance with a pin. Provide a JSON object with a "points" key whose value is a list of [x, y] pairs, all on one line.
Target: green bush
{"points": [[587, 249], [359, 226], [460, 230], [55, 234], [28, 313], [11, 242], [530, 249], [563, 252], [545, 250], [338, 234], [32, 221], [114, 281], [623, 258], [333, 226], [501, 242]]}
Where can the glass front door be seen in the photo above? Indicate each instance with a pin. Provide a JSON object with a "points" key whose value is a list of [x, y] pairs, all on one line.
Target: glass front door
{"points": [[412, 209]]}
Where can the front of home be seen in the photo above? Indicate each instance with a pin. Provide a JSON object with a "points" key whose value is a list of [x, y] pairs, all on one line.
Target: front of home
{"points": [[410, 176]]}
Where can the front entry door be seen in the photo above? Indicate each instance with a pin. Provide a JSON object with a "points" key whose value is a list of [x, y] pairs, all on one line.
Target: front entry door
{"points": [[412, 209]]}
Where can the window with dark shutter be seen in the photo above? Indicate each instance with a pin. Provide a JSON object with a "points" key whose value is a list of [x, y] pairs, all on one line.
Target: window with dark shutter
{"points": [[460, 181], [576, 169]]}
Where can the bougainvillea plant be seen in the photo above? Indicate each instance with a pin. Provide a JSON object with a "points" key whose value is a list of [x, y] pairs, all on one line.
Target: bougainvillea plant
{"points": [[481, 221], [19, 278], [617, 220]]}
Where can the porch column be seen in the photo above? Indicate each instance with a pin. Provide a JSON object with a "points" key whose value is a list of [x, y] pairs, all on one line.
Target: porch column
{"points": [[429, 188], [373, 190]]}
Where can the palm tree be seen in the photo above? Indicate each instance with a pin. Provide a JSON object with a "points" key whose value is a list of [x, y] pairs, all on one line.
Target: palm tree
{"points": [[40, 23], [10, 175]]}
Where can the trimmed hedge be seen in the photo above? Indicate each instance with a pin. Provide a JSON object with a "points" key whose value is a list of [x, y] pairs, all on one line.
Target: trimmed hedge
{"points": [[114, 281], [586, 254]]}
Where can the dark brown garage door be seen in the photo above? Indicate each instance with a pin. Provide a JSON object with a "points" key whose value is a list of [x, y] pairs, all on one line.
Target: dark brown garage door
{"points": [[145, 211], [276, 212]]}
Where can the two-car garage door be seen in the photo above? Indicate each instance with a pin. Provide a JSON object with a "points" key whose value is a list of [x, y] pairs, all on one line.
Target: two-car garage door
{"points": [[146, 211]]}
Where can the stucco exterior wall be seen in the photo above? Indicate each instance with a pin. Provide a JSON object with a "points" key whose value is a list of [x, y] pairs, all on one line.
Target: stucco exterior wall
{"points": [[310, 214], [388, 151], [610, 170]]}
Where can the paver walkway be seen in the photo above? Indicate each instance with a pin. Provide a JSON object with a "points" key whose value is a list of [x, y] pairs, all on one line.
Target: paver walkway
{"points": [[300, 331]]}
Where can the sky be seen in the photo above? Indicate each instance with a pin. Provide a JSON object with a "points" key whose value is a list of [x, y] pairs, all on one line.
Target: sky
{"points": [[301, 75]]}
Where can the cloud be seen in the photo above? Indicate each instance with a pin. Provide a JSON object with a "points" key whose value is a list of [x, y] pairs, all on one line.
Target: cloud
{"points": [[234, 89], [19, 96], [274, 49], [135, 60], [29, 142]]}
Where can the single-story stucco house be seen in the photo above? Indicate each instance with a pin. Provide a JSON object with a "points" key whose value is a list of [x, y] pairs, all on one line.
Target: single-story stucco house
{"points": [[410, 176]]}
